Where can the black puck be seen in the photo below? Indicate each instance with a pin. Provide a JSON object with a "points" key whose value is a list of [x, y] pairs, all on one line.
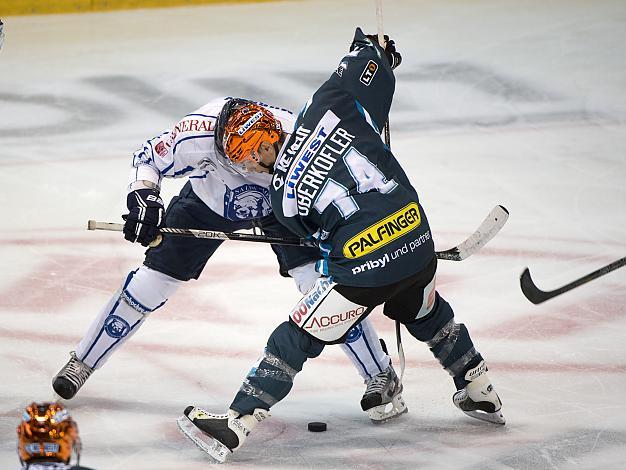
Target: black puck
{"points": [[317, 426]]}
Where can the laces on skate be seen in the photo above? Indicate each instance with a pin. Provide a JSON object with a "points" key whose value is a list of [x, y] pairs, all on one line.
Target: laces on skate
{"points": [[71, 377], [382, 399]]}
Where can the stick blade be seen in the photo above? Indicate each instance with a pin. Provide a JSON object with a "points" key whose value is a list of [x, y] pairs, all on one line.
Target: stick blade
{"points": [[488, 229], [530, 290]]}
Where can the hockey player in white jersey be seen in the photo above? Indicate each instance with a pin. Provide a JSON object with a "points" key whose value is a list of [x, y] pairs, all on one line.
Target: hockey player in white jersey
{"points": [[47, 438], [216, 197]]}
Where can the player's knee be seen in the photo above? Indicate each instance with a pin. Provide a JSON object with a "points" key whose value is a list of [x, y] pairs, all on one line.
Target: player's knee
{"points": [[425, 328], [402, 317], [292, 345], [145, 289]]}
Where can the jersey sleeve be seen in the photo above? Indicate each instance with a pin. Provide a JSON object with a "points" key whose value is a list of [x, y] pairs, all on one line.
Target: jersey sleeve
{"points": [[178, 152], [365, 73]]}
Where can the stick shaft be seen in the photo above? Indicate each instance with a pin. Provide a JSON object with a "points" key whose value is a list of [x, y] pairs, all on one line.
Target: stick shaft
{"points": [[485, 232], [208, 234], [379, 21]]}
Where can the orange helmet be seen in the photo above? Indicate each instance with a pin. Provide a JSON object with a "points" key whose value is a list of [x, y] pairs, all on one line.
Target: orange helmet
{"points": [[248, 125], [47, 432]]}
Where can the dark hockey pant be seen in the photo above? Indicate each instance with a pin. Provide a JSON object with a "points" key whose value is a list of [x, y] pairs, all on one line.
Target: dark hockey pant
{"points": [[288, 347]]}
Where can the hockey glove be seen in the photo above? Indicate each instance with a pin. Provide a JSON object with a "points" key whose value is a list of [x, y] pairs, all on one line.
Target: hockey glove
{"points": [[393, 57], [145, 216]]}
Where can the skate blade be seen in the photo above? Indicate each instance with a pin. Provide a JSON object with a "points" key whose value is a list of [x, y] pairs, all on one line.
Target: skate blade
{"points": [[383, 413], [495, 418], [214, 448]]}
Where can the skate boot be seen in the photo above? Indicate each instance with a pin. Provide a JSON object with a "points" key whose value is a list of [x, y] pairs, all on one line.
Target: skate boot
{"points": [[479, 399], [71, 377], [382, 399], [219, 435]]}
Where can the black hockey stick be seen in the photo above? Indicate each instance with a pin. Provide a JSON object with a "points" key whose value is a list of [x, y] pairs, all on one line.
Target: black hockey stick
{"points": [[208, 234], [537, 296], [485, 232]]}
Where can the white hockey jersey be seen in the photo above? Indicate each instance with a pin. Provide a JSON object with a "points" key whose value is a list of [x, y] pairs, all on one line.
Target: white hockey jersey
{"points": [[188, 150]]}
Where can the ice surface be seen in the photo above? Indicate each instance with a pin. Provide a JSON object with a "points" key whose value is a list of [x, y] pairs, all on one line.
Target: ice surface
{"points": [[519, 103]]}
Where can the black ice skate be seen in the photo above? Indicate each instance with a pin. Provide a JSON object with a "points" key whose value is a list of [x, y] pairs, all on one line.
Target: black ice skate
{"points": [[383, 397], [218, 435], [71, 377], [479, 399]]}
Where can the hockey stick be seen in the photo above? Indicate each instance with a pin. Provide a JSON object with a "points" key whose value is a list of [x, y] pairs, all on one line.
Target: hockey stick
{"points": [[387, 137], [485, 232], [381, 42], [208, 234], [488, 229], [537, 296]]}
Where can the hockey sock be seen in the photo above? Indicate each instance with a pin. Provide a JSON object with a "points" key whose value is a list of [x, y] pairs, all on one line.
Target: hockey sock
{"points": [[449, 341], [271, 380], [363, 348], [144, 291]]}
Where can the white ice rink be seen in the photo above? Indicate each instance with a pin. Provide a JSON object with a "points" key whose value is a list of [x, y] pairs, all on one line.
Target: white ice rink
{"points": [[519, 103]]}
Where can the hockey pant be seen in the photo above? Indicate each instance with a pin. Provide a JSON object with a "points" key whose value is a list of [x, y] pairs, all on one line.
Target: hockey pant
{"points": [[362, 344], [414, 302]]}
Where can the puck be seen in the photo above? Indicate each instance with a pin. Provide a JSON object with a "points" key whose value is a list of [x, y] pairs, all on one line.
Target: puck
{"points": [[316, 426]]}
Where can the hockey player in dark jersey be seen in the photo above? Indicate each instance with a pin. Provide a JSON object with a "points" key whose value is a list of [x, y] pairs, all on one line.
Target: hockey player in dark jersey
{"points": [[337, 183], [217, 196]]}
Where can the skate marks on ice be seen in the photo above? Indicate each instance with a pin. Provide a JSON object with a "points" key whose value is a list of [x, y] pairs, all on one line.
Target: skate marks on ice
{"points": [[26, 115], [492, 99], [415, 442], [584, 448]]}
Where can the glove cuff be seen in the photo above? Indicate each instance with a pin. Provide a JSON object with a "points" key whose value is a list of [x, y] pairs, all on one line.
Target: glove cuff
{"points": [[143, 184]]}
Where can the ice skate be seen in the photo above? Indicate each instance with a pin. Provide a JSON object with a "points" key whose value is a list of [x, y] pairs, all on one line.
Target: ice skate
{"points": [[479, 399], [218, 435], [382, 399], [71, 377]]}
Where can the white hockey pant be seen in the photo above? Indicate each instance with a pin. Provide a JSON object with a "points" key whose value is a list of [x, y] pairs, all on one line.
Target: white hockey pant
{"points": [[362, 345], [144, 291]]}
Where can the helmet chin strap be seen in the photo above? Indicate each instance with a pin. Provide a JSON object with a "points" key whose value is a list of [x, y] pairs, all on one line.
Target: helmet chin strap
{"points": [[269, 168]]}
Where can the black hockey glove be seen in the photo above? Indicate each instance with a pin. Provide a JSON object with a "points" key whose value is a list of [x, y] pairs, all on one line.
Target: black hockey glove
{"points": [[145, 215], [393, 57]]}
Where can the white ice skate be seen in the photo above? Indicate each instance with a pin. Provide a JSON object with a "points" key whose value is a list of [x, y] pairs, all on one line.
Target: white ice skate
{"points": [[479, 399], [218, 435], [382, 399]]}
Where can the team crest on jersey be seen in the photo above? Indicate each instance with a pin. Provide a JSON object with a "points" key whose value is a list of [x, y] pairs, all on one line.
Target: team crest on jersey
{"points": [[368, 73], [246, 202], [116, 327]]}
